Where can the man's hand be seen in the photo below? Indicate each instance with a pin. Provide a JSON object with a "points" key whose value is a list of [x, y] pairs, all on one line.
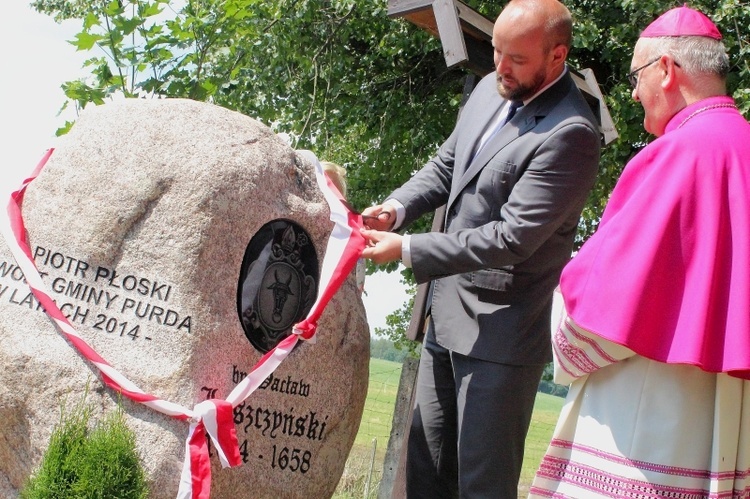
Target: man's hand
{"points": [[380, 217], [382, 247]]}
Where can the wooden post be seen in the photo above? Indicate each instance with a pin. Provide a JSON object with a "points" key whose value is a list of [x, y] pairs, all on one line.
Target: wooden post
{"points": [[393, 483]]}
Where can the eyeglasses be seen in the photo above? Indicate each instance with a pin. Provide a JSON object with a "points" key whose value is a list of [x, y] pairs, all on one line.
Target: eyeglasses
{"points": [[633, 75]]}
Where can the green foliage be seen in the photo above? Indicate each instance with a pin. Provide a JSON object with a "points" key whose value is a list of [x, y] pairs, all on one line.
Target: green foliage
{"points": [[605, 35], [395, 331], [547, 385], [397, 324], [338, 76], [383, 348], [374, 433], [553, 389], [83, 462], [358, 88]]}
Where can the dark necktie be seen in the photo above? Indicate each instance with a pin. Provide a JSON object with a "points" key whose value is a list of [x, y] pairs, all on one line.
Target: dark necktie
{"points": [[514, 105]]}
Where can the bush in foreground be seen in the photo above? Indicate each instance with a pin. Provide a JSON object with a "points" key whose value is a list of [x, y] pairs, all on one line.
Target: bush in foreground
{"points": [[89, 461]]}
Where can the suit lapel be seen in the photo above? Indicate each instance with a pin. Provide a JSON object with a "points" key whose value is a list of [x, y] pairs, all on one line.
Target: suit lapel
{"points": [[511, 131], [476, 128], [525, 120]]}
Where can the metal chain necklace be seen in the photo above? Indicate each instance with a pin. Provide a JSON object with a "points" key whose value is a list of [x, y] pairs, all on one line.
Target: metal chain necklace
{"points": [[706, 108]]}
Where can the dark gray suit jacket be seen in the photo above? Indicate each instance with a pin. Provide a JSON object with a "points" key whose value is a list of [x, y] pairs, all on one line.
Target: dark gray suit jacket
{"points": [[512, 214]]}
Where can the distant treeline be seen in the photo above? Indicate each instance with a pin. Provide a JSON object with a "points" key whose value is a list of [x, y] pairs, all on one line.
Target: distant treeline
{"points": [[552, 388], [383, 348]]}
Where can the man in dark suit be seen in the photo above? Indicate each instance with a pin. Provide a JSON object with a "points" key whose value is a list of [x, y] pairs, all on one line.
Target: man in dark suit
{"points": [[515, 182]]}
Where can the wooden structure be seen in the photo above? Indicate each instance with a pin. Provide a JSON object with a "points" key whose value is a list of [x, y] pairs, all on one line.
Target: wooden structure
{"points": [[465, 34]]}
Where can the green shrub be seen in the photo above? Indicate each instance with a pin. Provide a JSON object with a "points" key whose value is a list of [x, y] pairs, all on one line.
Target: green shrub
{"points": [[89, 462]]}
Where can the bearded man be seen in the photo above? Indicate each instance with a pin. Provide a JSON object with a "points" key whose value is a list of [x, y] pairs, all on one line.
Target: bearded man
{"points": [[514, 174]]}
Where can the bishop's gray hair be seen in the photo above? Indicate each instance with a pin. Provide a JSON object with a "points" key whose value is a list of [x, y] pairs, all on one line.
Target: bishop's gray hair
{"points": [[696, 55]]}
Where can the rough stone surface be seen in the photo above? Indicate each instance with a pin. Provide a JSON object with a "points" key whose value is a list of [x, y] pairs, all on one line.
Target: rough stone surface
{"points": [[168, 194]]}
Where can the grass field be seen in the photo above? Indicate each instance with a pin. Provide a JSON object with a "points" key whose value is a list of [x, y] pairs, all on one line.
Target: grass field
{"points": [[546, 410], [364, 465], [373, 435]]}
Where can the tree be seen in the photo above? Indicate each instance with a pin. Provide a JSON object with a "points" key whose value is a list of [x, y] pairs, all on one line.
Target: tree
{"points": [[341, 78], [338, 76], [382, 348], [397, 324]]}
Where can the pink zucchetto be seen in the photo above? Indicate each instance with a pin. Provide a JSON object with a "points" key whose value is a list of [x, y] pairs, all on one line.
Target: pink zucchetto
{"points": [[682, 21]]}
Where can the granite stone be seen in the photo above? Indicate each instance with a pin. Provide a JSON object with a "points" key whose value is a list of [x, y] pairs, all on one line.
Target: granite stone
{"points": [[139, 224]]}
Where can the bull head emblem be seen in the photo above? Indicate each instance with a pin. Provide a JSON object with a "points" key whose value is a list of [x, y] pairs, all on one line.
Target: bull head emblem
{"points": [[281, 291]]}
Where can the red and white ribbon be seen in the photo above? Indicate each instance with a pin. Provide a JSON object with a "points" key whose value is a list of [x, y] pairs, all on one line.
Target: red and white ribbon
{"points": [[212, 418]]}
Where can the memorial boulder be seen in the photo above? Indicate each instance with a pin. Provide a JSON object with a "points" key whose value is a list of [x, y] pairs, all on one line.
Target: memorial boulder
{"points": [[182, 241]]}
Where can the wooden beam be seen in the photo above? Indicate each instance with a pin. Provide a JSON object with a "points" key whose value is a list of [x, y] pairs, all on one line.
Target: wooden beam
{"points": [[474, 23], [425, 20], [586, 82], [465, 34], [480, 61], [400, 8], [451, 35]]}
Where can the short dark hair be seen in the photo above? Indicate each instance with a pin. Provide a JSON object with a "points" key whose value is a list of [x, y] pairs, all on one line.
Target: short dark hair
{"points": [[559, 29]]}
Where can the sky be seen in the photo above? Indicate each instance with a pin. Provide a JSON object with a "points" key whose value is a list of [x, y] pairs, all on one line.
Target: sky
{"points": [[37, 59]]}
